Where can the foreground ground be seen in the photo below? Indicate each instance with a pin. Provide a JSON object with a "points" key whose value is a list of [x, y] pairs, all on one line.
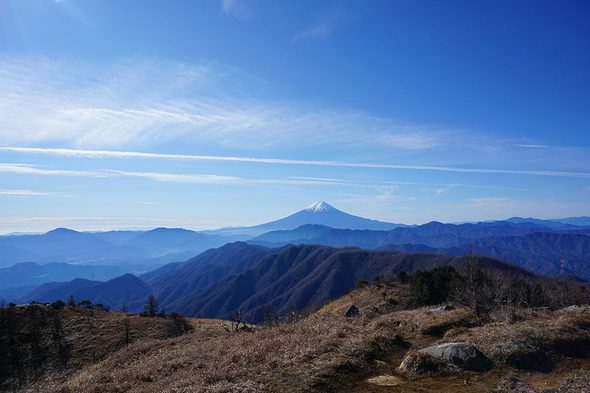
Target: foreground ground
{"points": [[531, 350]]}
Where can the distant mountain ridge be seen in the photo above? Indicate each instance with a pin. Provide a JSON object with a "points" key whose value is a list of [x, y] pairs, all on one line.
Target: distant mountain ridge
{"points": [[433, 234], [157, 246], [28, 273], [570, 222], [535, 247], [117, 292]]}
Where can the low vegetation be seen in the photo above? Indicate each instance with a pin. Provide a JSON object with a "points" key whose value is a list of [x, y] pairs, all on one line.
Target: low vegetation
{"points": [[529, 334], [40, 341]]}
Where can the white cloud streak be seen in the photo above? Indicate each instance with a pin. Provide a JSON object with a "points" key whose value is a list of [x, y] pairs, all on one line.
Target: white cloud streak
{"points": [[141, 103], [531, 146], [26, 169], [23, 193], [318, 30], [234, 8], [278, 161]]}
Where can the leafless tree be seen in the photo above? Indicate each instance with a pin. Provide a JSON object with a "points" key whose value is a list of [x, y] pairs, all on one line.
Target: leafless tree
{"points": [[238, 320], [271, 316], [477, 289], [151, 307], [127, 330]]}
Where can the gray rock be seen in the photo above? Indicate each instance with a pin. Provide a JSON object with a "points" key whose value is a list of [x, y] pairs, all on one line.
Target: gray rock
{"points": [[571, 308], [463, 355], [352, 311], [446, 307]]}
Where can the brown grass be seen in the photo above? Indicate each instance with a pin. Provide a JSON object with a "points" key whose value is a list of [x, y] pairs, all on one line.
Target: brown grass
{"points": [[89, 335], [308, 354], [422, 321], [560, 334], [327, 352]]}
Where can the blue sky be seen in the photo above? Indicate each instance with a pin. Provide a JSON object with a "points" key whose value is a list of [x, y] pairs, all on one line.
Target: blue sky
{"points": [[201, 114]]}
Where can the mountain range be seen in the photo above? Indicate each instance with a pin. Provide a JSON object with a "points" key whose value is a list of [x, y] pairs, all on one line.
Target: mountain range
{"points": [[301, 260], [253, 279], [532, 246], [121, 248]]}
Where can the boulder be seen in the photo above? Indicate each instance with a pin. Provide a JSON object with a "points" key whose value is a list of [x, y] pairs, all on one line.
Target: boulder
{"points": [[352, 311], [461, 354]]}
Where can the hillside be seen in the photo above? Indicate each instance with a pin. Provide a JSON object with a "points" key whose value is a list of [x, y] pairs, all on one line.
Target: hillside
{"points": [[26, 274], [184, 281], [53, 291], [117, 293], [39, 342], [545, 252], [299, 277], [379, 350], [254, 279]]}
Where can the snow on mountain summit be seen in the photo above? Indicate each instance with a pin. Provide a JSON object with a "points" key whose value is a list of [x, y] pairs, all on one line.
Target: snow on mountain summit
{"points": [[319, 207]]}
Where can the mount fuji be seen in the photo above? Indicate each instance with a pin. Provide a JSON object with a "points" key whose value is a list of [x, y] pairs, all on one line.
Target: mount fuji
{"points": [[319, 213]]}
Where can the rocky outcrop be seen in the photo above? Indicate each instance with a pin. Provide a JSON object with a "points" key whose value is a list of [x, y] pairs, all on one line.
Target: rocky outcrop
{"points": [[463, 355], [443, 359], [352, 311]]}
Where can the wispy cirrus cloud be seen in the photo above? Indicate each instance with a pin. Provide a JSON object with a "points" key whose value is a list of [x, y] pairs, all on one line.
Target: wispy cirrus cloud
{"points": [[140, 103], [278, 161], [23, 193], [318, 30], [26, 169], [167, 177], [235, 8], [339, 15], [531, 146]]}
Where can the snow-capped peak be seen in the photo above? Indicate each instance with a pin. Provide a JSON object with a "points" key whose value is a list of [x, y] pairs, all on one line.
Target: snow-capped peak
{"points": [[319, 207]]}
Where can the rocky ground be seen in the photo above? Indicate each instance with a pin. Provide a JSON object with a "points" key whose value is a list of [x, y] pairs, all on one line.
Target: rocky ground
{"points": [[387, 346]]}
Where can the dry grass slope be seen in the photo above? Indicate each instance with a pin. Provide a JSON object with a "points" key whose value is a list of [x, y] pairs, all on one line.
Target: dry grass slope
{"points": [[326, 352]]}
